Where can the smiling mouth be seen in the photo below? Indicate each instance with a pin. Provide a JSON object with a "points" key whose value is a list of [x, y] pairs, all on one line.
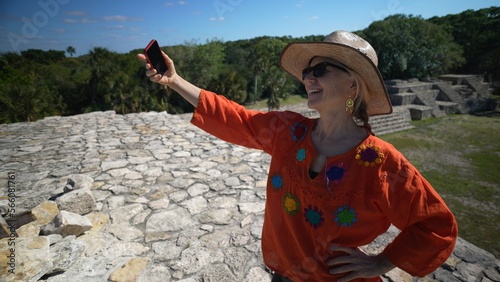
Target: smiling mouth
{"points": [[314, 91]]}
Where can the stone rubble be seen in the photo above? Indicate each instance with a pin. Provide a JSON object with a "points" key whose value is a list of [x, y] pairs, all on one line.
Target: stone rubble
{"points": [[153, 199]]}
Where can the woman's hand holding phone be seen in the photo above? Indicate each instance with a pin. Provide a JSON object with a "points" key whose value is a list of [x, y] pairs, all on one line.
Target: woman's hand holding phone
{"points": [[160, 68], [154, 56]]}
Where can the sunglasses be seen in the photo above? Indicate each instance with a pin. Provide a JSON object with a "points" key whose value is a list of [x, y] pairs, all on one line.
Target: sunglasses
{"points": [[320, 69]]}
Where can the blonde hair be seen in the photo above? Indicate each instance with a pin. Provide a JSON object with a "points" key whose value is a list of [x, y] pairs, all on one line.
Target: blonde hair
{"points": [[359, 113]]}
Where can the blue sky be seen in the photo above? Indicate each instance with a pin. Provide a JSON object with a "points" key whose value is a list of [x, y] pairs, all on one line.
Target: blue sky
{"points": [[125, 25]]}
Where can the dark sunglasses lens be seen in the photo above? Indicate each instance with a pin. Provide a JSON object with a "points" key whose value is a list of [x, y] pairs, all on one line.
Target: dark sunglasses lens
{"points": [[317, 70], [306, 72]]}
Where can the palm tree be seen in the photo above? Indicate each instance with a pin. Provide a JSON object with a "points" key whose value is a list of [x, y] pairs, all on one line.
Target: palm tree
{"points": [[101, 63], [70, 50]]}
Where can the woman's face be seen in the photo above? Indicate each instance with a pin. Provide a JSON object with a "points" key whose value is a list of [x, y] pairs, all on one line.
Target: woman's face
{"points": [[329, 92]]}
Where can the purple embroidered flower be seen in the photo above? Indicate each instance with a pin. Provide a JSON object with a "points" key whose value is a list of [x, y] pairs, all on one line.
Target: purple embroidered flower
{"points": [[369, 155]]}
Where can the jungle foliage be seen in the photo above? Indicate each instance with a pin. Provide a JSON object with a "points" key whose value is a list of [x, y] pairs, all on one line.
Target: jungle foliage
{"points": [[36, 83]]}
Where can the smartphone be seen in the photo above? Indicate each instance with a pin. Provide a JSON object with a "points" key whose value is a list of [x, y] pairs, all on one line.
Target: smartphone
{"points": [[154, 57]]}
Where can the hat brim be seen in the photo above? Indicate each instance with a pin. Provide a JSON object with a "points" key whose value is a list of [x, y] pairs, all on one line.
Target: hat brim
{"points": [[296, 56]]}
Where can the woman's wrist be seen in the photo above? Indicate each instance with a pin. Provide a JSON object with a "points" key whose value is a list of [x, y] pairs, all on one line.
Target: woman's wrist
{"points": [[383, 263]]}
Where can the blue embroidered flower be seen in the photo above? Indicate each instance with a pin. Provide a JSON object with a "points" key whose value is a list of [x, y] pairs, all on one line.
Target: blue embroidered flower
{"points": [[301, 155], [277, 181], [314, 216], [298, 131], [345, 216]]}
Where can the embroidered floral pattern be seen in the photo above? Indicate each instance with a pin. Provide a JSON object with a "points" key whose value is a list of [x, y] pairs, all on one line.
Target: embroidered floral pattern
{"points": [[301, 155], [336, 173], [369, 155], [277, 182], [345, 216], [298, 131], [291, 204], [314, 216]]}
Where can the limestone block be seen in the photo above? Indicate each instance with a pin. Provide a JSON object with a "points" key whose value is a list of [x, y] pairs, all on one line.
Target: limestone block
{"points": [[249, 208], [130, 270], [219, 272], [125, 232], [54, 238], [166, 250], [159, 204], [68, 223], [125, 213], [398, 275], [45, 212], [193, 260], [219, 217], [31, 229], [257, 274], [195, 205], [65, 252], [155, 273], [27, 260], [79, 201], [172, 220], [99, 220]]}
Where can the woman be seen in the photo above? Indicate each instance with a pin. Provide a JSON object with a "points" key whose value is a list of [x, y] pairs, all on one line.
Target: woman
{"points": [[333, 186]]}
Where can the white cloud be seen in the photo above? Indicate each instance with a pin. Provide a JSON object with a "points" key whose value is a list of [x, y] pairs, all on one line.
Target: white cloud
{"points": [[170, 4], [85, 21], [217, 19], [116, 27], [70, 21], [115, 18], [76, 13], [120, 18], [313, 18]]}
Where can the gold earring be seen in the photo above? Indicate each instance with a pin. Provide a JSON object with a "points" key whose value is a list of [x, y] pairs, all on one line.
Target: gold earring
{"points": [[349, 105]]}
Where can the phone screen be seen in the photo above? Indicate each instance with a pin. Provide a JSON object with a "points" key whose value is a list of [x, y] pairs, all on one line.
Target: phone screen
{"points": [[155, 58]]}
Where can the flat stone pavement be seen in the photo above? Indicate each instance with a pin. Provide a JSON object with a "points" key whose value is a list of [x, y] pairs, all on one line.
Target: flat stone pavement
{"points": [[187, 203]]}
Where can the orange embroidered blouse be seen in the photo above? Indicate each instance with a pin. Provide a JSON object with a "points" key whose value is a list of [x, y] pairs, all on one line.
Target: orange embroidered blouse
{"points": [[356, 197]]}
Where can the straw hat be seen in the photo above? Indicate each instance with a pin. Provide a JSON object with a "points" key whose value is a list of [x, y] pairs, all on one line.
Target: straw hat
{"points": [[350, 50]]}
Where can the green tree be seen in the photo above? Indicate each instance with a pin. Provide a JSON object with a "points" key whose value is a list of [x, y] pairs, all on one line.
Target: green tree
{"points": [[477, 32], [43, 57], [102, 65], [277, 86], [411, 47], [199, 63], [262, 59], [24, 95], [230, 84], [26, 101]]}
